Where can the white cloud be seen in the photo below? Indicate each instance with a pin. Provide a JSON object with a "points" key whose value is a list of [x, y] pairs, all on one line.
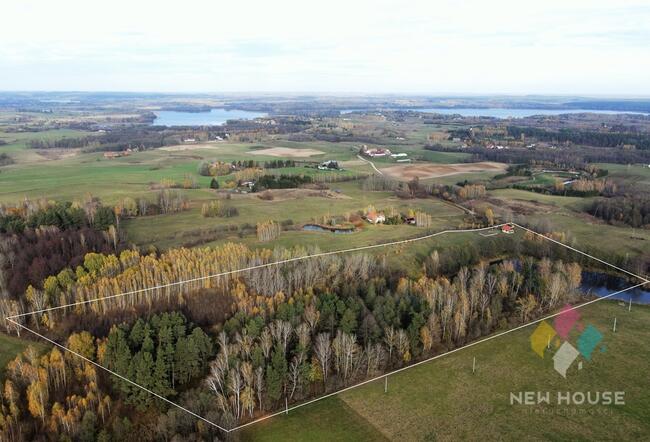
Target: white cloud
{"points": [[553, 46]]}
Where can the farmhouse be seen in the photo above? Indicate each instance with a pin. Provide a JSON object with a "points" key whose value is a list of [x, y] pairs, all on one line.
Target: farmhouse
{"points": [[507, 228], [374, 152]]}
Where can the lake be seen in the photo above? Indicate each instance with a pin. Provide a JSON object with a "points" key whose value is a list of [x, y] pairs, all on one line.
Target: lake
{"points": [[496, 112], [215, 117]]}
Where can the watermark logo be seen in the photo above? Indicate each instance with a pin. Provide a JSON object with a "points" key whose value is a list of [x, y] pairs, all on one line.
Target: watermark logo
{"points": [[556, 337]]}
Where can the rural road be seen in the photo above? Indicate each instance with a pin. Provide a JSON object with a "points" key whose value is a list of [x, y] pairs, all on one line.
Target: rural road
{"points": [[372, 164]]}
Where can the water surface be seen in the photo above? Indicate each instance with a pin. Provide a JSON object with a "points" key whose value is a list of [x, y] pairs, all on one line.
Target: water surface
{"points": [[215, 117]]}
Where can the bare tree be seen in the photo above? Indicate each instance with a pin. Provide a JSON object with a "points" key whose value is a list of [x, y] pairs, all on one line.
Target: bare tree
{"points": [[311, 315], [323, 351], [390, 338], [295, 372], [266, 341]]}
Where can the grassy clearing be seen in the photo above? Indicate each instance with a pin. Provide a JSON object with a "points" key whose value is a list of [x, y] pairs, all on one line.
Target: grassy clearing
{"points": [[636, 173], [570, 202], [111, 180], [441, 157], [565, 214], [443, 400], [73, 177], [17, 143], [168, 230], [10, 346], [641, 170], [605, 237]]}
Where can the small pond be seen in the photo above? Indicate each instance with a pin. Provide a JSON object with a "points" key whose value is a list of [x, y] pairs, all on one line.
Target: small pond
{"points": [[319, 228]]}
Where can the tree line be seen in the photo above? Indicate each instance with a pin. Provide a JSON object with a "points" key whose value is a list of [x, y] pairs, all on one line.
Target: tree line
{"points": [[64, 215], [639, 140], [631, 210], [281, 182]]}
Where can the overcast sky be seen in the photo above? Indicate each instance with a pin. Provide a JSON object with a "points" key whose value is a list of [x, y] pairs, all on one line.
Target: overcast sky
{"points": [[434, 47]]}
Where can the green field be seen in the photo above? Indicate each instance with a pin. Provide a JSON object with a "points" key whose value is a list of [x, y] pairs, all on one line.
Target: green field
{"points": [[570, 202], [17, 143], [636, 173], [112, 179], [564, 214], [443, 400], [314, 423], [167, 230]]}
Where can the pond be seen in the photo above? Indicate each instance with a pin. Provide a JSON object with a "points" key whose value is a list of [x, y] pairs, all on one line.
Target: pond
{"points": [[318, 228], [215, 117], [601, 284]]}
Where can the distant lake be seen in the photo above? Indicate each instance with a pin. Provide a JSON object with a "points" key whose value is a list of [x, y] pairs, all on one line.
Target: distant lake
{"points": [[215, 117], [496, 112]]}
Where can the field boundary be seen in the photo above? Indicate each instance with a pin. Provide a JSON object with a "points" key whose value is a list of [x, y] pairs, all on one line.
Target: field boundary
{"points": [[13, 318]]}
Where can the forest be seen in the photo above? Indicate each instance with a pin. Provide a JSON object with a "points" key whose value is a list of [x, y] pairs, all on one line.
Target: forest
{"points": [[630, 210], [41, 238], [640, 141], [577, 157], [236, 347]]}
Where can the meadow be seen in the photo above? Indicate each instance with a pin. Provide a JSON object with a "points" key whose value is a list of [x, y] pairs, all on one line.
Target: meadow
{"points": [[444, 400], [565, 214]]}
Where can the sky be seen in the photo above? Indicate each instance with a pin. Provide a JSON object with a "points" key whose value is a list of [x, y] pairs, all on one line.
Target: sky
{"points": [[571, 47]]}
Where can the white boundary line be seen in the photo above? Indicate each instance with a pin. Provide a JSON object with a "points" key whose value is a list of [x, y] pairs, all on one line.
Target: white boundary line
{"points": [[275, 263], [116, 374], [583, 253], [255, 267], [471, 344]]}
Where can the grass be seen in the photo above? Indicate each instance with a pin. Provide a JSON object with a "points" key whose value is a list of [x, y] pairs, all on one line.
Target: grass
{"points": [[565, 214], [11, 346], [168, 230], [319, 418], [133, 176], [443, 400], [570, 202], [636, 173], [539, 180], [604, 237], [17, 143]]}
